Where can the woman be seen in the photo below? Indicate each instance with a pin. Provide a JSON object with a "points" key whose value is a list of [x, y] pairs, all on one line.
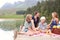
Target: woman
{"points": [[36, 18]]}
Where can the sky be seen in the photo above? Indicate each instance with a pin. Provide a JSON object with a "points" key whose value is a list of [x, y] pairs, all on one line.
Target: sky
{"points": [[2, 2]]}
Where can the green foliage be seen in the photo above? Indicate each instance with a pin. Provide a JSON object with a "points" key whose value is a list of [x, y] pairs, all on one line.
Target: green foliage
{"points": [[21, 12], [19, 23], [46, 8]]}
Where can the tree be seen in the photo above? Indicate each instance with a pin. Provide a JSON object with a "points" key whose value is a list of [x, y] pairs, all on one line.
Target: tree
{"points": [[46, 8]]}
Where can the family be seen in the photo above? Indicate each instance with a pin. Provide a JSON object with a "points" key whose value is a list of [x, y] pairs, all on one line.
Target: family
{"points": [[35, 24]]}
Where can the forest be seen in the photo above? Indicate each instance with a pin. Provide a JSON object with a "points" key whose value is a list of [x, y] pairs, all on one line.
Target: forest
{"points": [[45, 8]]}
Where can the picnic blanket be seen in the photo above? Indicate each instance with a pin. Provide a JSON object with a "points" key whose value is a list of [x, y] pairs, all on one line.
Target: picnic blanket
{"points": [[41, 36]]}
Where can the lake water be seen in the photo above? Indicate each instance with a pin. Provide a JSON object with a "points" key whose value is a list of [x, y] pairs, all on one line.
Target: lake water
{"points": [[7, 24], [6, 35]]}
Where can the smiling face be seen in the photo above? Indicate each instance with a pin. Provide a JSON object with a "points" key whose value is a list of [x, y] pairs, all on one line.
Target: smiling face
{"points": [[38, 14], [43, 20], [54, 15], [28, 17]]}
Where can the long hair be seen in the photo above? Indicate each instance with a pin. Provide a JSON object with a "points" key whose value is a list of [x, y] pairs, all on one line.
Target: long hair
{"points": [[28, 17], [55, 14], [35, 12]]}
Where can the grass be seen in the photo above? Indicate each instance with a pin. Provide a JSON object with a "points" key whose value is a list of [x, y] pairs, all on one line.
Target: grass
{"points": [[13, 16]]}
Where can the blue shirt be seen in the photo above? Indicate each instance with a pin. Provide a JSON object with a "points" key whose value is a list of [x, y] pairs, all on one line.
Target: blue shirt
{"points": [[53, 24], [42, 26]]}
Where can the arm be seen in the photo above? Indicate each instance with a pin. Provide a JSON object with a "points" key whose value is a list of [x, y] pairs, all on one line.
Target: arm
{"points": [[21, 27], [38, 27], [57, 20], [50, 22], [48, 26], [33, 27]]}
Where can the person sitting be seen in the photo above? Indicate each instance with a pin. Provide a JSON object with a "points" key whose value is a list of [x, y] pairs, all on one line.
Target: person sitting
{"points": [[54, 20], [28, 25], [42, 27], [36, 18]]}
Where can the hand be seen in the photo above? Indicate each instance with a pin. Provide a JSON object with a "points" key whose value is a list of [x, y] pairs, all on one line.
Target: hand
{"points": [[37, 29], [34, 29], [48, 26]]}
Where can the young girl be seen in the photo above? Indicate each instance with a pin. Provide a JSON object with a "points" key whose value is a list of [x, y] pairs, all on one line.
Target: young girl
{"points": [[54, 20], [28, 25]]}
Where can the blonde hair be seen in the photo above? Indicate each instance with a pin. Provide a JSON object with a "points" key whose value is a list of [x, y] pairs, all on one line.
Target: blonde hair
{"points": [[28, 17], [43, 17], [55, 14]]}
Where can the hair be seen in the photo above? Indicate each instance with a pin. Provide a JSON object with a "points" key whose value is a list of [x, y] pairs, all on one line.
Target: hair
{"points": [[43, 17], [36, 12], [55, 14], [28, 17]]}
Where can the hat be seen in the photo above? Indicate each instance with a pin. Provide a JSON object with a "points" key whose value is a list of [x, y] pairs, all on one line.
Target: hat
{"points": [[42, 18]]}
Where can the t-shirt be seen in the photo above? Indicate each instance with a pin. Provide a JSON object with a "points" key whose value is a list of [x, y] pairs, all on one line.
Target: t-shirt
{"points": [[42, 26], [26, 25]]}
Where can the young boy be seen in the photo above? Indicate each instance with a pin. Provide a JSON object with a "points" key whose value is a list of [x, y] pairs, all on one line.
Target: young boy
{"points": [[42, 27]]}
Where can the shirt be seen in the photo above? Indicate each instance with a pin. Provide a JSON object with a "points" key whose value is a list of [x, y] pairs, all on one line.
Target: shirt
{"points": [[42, 26], [26, 25]]}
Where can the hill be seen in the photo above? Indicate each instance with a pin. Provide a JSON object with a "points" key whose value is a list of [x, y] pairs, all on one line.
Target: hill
{"points": [[9, 8]]}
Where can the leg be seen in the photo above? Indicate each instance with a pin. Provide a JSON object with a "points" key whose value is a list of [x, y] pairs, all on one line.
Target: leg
{"points": [[21, 33], [15, 34]]}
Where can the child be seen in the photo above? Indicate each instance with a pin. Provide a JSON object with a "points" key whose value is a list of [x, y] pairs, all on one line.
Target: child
{"points": [[54, 20], [28, 25], [42, 25]]}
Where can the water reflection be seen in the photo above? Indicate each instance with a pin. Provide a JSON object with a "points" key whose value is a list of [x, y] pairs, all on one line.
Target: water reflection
{"points": [[7, 24]]}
